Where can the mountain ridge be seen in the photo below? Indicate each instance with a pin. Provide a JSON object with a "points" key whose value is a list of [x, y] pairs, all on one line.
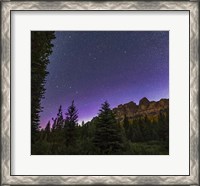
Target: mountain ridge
{"points": [[151, 109]]}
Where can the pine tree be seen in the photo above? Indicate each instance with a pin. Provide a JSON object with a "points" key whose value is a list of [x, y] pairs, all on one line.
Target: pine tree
{"points": [[136, 132], [60, 121], [58, 133], [108, 135], [41, 48], [71, 122], [163, 122], [47, 131], [145, 126], [54, 124], [126, 127], [72, 114]]}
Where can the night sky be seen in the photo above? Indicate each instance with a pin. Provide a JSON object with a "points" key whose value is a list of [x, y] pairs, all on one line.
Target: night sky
{"points": [[92, 67]]}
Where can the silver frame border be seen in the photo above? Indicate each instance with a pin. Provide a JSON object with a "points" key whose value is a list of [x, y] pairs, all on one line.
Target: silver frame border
{"points": [[7, 7]]}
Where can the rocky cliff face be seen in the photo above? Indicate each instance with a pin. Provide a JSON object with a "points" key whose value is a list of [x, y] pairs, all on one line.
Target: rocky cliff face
{"points": [[151, 109]]}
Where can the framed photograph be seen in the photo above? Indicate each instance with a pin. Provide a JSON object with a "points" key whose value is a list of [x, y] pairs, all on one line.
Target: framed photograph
{"points": [[100, 93]]}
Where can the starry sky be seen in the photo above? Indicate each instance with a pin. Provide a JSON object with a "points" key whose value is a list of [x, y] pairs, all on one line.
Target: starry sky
{"points": [[91, 67]]}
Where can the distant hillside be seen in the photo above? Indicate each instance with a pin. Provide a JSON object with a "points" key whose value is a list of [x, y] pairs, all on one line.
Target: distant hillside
{"points": [[151, 109]]}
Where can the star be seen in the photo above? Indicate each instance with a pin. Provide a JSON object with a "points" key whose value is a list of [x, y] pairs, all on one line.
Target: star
{"points": [[90, 67]]}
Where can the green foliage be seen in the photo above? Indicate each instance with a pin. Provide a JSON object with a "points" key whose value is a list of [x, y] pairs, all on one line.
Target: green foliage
{"points": [[71, 123], [41, 48], [126, 125], [147, 148], [108, 135], [103, 135]]}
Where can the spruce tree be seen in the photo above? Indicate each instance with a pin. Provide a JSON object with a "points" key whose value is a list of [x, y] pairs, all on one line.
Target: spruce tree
{"points": [[71, 122], [127, 127], [72, 114], [108, 135], [47, 131], [41, 48], [60, 121], [58, 133]]}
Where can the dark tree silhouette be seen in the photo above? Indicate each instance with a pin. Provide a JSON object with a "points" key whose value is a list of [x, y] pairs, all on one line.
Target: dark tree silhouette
{"points": [[60, 121], [47, 131], [72, 114], [48, 127], [41, 48], [126, 125], [108, 136], [71, 122], [103, 135]]}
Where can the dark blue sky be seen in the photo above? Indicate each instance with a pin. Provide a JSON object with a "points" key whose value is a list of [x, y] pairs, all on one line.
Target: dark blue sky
{"points": [[90, 67]]}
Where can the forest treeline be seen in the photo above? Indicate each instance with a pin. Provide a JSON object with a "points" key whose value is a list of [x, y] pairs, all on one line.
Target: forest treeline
{"points": [[41, 48], [103, 135]]}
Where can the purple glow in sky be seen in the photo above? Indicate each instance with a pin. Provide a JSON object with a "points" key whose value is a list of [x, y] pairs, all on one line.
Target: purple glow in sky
{"points": [[91, 67]]}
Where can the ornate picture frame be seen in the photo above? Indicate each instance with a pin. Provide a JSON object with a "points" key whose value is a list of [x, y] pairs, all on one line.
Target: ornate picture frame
{"points": [[7, 7]]}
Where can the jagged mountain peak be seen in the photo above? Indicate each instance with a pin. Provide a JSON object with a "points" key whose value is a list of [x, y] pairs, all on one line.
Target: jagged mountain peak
{"points": [[145, 107], [144, 101]]}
